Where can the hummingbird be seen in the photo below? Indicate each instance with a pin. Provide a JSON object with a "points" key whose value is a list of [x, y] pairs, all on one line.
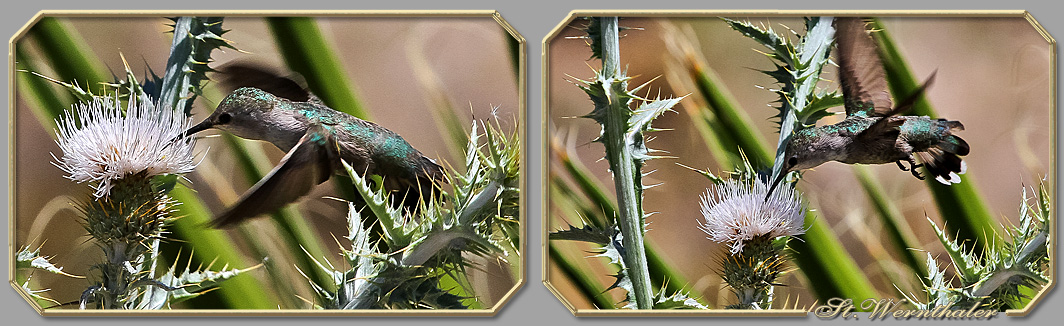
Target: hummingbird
{"points": [[315, 138], [873, 132]]}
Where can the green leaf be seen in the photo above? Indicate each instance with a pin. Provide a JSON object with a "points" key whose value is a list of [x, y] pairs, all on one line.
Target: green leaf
{"points": [[781, 49], [818, 108], [614, 251], [192, 283], [648, 111], [966, 263], [823, 260], [377, 202], [588, 233], [306, 51], [67, 53], [436, 241]]}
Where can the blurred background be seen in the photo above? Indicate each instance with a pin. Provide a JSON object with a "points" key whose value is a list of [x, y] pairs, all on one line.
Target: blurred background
{"points": [[993, 75], [406, 73]]}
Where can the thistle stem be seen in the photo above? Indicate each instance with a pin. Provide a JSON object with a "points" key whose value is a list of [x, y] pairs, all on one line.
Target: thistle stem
{"points": [[814, 53], [626, 167]]}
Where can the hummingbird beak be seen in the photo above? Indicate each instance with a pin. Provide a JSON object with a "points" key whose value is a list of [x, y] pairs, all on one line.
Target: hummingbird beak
{"points": [[775, 183], [203, 125]]}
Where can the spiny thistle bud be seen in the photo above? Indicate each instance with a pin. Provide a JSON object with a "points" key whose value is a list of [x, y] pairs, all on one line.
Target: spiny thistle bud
{"points": [[132, 212]]}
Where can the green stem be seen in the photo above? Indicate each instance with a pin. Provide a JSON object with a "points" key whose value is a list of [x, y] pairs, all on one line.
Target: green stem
{"points": [[830, 269], [626, 167]]}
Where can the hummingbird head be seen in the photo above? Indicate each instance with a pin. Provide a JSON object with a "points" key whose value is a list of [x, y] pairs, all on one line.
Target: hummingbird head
{"points": [[806, 149], [244, 112]]}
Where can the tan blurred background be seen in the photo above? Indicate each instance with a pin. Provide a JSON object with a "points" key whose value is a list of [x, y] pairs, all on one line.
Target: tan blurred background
{"points": [[467, 59], [993, 75]]}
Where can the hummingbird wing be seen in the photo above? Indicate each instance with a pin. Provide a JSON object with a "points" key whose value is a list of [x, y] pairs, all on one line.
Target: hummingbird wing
{"points": [[309, 163], [246, 74], [861, 76]]}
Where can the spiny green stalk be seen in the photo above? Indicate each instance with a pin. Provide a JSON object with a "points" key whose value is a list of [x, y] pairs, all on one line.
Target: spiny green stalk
{"points": [[597, 209], [625, 167], [610, 94], [622, 136], [797, 71], [186, 69]]}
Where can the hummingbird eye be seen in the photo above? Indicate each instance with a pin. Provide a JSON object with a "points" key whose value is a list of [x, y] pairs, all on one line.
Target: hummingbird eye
{"points": [[792, 161], [224, 118]]}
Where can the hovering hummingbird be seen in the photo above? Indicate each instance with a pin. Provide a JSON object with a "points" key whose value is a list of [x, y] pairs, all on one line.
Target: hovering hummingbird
{"points": [[315, 138], [873, 132]]}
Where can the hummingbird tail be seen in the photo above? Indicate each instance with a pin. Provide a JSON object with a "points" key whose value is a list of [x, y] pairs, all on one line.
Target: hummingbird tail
{"points": [[943, 160]]}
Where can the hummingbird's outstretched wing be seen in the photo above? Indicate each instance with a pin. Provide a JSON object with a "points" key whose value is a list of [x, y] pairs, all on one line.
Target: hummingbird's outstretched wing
{"points": [[309, 163], [889, 126], [861, 75], [246, 74]]}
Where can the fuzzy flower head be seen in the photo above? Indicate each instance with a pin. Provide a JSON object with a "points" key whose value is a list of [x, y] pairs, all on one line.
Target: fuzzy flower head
{"points": [[736, 212], [100, 144]]}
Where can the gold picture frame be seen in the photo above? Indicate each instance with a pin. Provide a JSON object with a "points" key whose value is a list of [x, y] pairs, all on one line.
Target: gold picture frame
{"points": [[509, 104], [575, 104]]}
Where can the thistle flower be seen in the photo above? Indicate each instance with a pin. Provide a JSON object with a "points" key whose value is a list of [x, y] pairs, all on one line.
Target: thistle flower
{"points": [[100, 144], [737, 212], [755, 225]]}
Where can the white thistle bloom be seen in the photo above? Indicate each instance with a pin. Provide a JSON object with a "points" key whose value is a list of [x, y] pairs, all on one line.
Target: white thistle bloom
{"points": [[736, 212], [102, 145]]}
